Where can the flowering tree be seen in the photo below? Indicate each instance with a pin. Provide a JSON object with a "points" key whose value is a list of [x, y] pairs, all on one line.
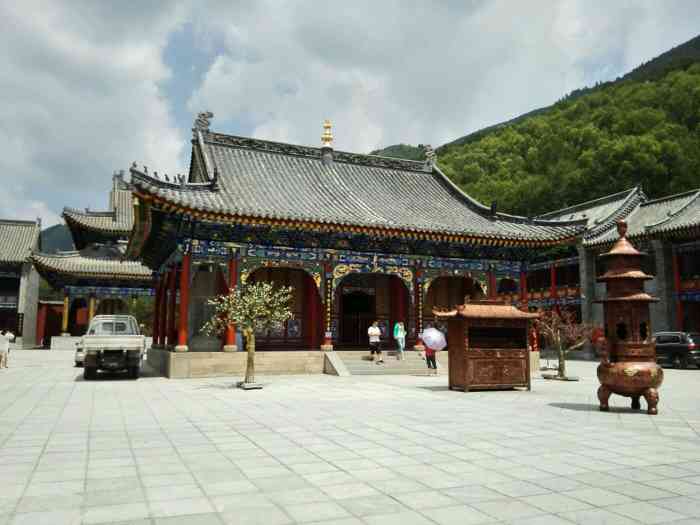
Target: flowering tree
{"points": [[253, 308], [561, 330]]}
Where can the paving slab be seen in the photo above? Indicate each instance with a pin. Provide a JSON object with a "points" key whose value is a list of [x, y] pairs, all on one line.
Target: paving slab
{"points": [[382, 450]]}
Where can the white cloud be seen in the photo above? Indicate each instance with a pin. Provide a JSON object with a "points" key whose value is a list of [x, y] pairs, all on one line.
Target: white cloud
{"points": [[81, 98], [81, 81], [416, 72]]}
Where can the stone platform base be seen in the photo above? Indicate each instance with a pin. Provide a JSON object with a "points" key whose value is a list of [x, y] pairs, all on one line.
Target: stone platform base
{"points": [[179, 365], [64, 342]]}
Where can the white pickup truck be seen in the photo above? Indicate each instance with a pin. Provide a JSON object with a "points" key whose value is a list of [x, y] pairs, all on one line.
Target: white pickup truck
{"points": [[112, 343]]}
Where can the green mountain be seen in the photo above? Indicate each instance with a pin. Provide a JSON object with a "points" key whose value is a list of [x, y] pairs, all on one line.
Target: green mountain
{"points": [[402, 151], [56, 238], [641, 128]]}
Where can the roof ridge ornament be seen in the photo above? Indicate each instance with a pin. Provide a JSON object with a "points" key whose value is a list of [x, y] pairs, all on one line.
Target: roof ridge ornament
{"points": [[327, 144], [430, 156], [202, 122], [327, 137]]}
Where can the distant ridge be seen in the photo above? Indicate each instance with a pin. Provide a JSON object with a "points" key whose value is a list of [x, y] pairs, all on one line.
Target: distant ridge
{"points": [[642, 129], [56, 238], [679, 57]]}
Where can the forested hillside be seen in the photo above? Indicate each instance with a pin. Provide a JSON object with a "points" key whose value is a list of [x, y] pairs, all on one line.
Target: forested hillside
{"points": [[642, 128], [626, 134], [402, 151]]}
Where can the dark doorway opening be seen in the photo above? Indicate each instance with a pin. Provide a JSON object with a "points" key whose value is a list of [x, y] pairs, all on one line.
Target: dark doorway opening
{"points": [[358, 311]]}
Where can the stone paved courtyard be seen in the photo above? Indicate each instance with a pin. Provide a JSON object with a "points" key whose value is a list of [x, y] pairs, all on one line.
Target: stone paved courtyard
{"points": [[399, 450]]}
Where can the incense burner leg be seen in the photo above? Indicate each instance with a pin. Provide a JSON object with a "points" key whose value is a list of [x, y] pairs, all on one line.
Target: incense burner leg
{"points": [[652, 397], [604, 395], [635, 403]]}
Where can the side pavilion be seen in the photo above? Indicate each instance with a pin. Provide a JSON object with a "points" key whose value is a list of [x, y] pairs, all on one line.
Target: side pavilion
{"points": [[19, 282], [95, 278], [360, 238]]}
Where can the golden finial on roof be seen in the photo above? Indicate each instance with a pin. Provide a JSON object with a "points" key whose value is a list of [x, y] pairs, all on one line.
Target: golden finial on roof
{"points": [[327, 137]]}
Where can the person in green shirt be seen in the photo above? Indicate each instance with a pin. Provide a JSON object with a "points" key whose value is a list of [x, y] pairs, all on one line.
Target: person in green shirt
{"points": [[400, 337]]}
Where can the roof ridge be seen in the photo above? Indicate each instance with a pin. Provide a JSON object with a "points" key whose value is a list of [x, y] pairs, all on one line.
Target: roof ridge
{"points": [[587, 204], [677, 212], [671, 197], [25, 222], [471, 201], [625, 209], [298, 150], [89, 213], [78, 255], [148, 178]]}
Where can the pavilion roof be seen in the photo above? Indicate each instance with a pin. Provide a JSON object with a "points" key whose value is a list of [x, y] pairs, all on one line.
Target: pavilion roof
{"points": [[657, 218], [486, 310], [236, 179], [95, 264], [96, 226], [17, 240]]}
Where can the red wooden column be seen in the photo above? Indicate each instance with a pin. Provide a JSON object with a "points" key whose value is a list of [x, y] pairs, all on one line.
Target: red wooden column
{"points": [[523, 291], [163, 329], [677, 290], [492, 292], [553, 284], [184, 313], [311, 312], [172, 307], [156, 315], [230, 333], [41, 323]]}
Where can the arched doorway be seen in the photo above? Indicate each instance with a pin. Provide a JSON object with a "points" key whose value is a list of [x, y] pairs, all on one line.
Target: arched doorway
{"points": [[446, 292], [361, 299], [304, 330]]}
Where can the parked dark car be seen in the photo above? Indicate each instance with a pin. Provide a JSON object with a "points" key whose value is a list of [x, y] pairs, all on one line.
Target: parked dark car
{"points": [[677, 349]]}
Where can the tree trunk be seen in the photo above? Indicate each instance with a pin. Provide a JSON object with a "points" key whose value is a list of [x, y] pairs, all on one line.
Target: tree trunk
{"points": [[250, 362], [561, 372]]}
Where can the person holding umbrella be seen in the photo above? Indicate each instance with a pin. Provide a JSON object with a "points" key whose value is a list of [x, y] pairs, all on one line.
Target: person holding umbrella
{"points": [[434, 340]]}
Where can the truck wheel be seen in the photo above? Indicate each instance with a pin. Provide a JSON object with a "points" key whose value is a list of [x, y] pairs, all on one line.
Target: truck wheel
{"points": [[134, 372], [90, 373]]}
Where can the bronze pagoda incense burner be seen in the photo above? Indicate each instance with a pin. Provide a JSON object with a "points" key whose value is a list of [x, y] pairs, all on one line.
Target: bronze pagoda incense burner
{"points": [[628, 354]]}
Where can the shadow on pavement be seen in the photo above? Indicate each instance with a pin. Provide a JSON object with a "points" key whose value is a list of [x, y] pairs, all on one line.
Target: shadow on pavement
{"points": [[588, 407], [146, 371], [439, 388]]}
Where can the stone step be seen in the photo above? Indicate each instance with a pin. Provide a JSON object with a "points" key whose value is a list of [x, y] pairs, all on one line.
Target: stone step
{"points": [[394, 371], [357, 363]]}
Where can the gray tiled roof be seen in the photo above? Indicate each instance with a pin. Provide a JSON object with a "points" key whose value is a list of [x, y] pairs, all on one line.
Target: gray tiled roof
{"points": [[119, 219], [600, 214], [76, 264], [17, 240], [686, 217], [656, 216], [270, 180]]}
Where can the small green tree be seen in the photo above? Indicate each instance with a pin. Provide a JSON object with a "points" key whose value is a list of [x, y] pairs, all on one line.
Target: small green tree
{"points": [[253, 308]]}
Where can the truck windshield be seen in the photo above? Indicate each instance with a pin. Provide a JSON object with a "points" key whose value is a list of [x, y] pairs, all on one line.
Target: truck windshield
{"points": [[113, 328]]}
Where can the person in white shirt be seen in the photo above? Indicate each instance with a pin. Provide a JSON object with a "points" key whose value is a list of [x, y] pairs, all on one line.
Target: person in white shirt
{"points": [[375, 342], [5, 337]]}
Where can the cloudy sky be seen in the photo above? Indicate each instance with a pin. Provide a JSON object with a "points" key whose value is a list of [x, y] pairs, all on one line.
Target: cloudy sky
{"points": [[89, 86]]}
